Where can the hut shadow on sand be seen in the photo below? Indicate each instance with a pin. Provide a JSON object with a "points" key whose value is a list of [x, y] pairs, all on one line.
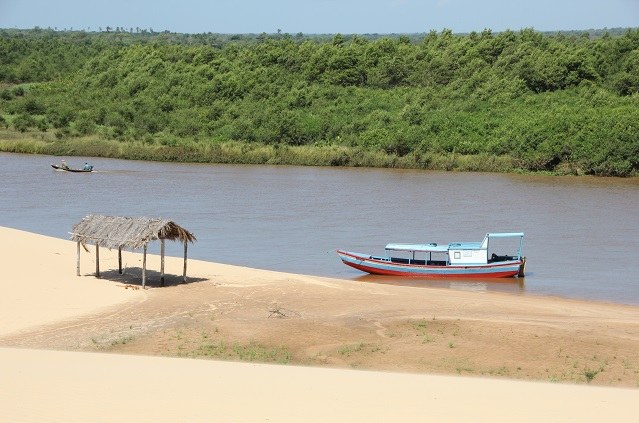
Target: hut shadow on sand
{"points": [[116, 232], [132, 277]]}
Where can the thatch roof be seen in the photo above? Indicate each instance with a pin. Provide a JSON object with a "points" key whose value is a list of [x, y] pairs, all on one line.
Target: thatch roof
{"points": [[127, 232]]}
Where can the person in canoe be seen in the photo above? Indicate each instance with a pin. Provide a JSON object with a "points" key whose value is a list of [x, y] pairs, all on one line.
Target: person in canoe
{"points": [[87, 166], [63, 165]]}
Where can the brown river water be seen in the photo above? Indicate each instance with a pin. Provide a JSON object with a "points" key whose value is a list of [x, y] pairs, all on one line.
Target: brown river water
{"points": [[582, 234]]}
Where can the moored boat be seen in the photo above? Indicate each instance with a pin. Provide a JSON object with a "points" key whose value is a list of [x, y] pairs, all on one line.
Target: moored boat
{"points": [[456, 259]]}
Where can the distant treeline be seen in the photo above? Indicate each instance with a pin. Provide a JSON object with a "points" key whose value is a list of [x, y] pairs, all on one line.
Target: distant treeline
{"points": [[524, 100]]}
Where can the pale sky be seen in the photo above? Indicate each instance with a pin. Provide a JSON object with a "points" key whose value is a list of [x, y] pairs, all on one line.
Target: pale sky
{"points": [[320, 16]]}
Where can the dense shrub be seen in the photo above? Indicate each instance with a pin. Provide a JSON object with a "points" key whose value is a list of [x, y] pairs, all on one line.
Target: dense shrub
{"points": [[547, 102]]}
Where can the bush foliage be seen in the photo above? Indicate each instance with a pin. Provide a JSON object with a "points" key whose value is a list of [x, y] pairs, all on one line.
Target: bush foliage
{"points": [[564, 103]]}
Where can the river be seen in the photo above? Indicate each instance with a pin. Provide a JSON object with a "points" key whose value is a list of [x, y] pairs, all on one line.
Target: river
{"points": [[582, 235]]}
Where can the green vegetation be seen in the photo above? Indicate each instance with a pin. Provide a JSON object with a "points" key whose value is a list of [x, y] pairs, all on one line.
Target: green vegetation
{"points": [[242, 352], [512, 101], [121, 340], [348, 350], [590, 374]]}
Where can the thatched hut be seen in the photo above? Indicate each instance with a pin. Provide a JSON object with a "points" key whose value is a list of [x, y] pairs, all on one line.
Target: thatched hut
{"points": [[129, 233]]}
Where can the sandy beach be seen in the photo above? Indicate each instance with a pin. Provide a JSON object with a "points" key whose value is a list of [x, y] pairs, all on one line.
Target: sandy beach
{"points": [[240, 344]]}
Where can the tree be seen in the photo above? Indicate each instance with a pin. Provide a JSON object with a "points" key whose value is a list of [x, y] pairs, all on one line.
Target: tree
{"points": [[627, 80], [23, 122]]}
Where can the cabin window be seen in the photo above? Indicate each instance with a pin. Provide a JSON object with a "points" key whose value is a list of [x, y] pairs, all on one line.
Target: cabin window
{"points": [[457, 255], [468, 253]]}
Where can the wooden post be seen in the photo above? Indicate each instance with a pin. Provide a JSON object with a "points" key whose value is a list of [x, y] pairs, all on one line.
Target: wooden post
{"points": [[184, 273], [77, 271], [120, 260], [162, 262], [97, 260], [144, 268]]}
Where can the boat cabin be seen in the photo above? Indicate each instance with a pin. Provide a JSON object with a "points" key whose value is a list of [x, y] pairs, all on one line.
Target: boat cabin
{"points": [[453, 254]]}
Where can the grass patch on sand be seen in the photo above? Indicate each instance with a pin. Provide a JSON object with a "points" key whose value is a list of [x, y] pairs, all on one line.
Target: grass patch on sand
{"points": [[252, 351], [361, 347]]}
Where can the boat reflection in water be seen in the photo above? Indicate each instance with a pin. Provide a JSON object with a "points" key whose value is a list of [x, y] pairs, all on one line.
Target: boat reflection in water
{"points": [[506, 285]]}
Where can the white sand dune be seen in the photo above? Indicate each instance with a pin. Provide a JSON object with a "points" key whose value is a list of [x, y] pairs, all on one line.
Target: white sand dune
{"points": [[81, 387], [39, 284]]}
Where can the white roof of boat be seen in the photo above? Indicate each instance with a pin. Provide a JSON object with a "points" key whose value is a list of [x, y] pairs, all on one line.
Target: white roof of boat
{"points": [[442, 248], [418, 247], [504, 234]]}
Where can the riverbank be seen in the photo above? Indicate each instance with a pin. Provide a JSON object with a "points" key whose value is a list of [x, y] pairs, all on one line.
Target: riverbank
{"points": [[235, 152], [241, 314], [460, 105]]}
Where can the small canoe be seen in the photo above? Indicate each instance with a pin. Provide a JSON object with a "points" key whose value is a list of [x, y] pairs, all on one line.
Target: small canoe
{"points": [[71, 170]]}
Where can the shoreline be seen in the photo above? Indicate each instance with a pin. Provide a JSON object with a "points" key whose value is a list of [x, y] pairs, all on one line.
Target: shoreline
{"points": [[254, 153], [420, 350], [132, 282], [242, 153]]}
